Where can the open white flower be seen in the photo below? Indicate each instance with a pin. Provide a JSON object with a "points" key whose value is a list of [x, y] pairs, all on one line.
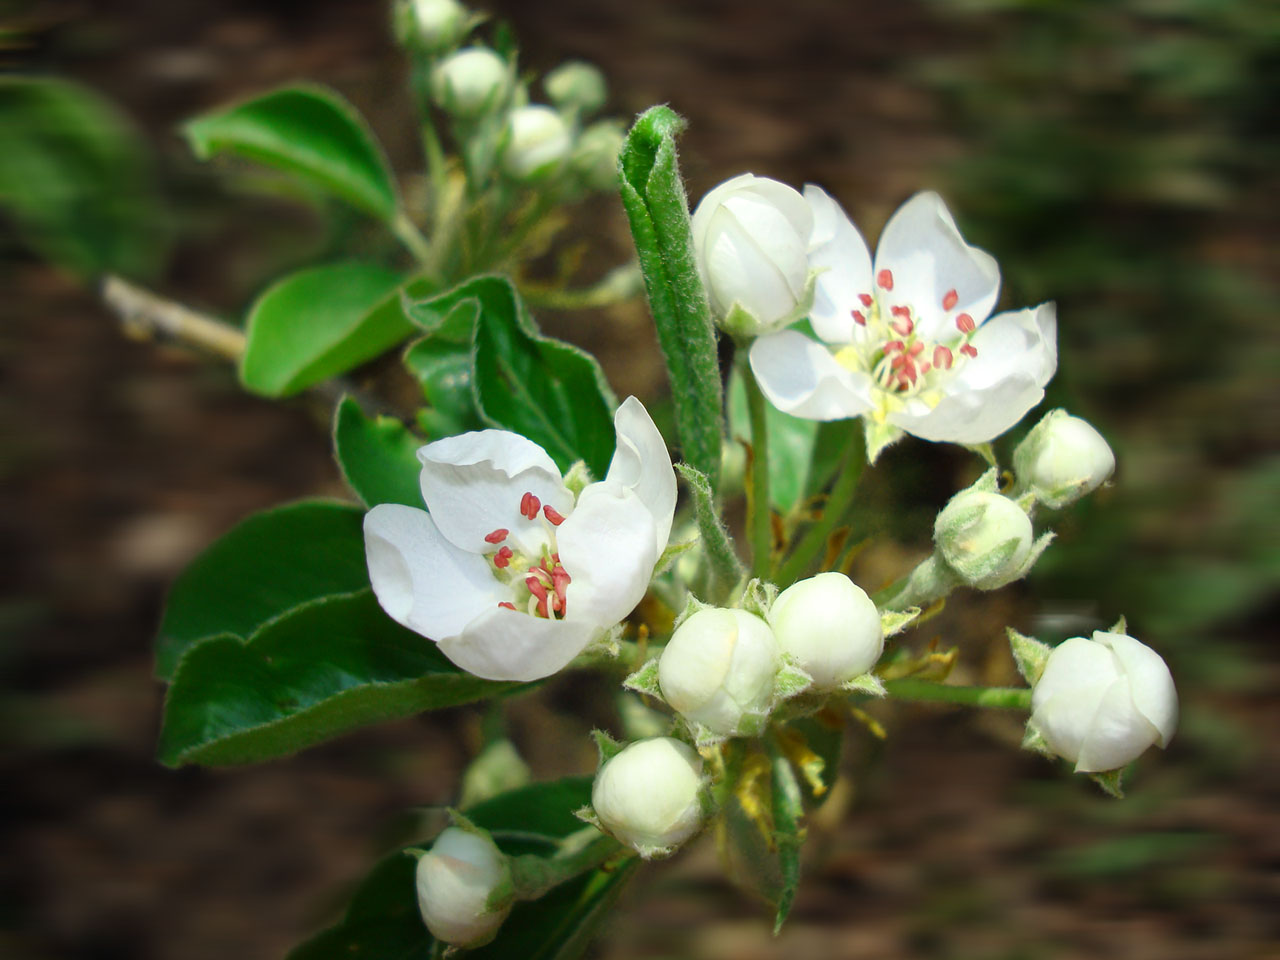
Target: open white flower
{"points": [[504, 570], [906, 341]]}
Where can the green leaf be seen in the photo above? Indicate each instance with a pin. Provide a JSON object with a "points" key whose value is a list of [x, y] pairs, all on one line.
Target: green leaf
{"points": [[378, 457], [269, 563], [76, 179], [320, 670], [443, 370], [318, 323], [791, 445], [788, 812], [308, 131], [545, 389], [382, 920], [654, 198]]}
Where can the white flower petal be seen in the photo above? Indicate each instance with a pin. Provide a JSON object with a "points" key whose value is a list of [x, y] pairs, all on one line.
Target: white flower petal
{"points": [[741, 272], [970, 416], [608, 548], [504, 644], [422, 580], [701, 220], [1118, 733], [473, 485], [1150, 682], [1073, 665], [801, 378], [840, 255], [641, 463], [1020, 342], [922, 247]]}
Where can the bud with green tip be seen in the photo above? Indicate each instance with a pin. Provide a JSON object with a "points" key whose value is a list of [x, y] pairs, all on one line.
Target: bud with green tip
{"points": [[830, 627], [650, 795], [1062, 459], [471, 82], [464, 887], [438, 24], [985, 538], [537, 143], [1101, 702], [595, 155], [718, 671], [576, 85]]}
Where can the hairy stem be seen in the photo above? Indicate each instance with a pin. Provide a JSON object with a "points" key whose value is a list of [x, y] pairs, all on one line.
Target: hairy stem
{"points": [[1004, 698], [761, 531]]}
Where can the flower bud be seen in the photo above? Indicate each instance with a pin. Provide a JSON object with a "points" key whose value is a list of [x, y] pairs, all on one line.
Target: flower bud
{"points": [[439, 23], [751, 238], [576, 85], [984, 537], [537, 143], [470, 82], [649, 795], [1101, 702], [718, 670], [459, 879], [831, 628], [595, 155], [1062, 459]]}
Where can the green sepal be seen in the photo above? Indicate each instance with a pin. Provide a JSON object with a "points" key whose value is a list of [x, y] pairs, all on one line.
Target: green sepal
{"points": [[1029, 654], [867, 683], [673, 552], [790, 681], [895, 621], [1120, 626], [1110, 782], [758, 598], [989, 482], [691, 606], [984, 450], [878, 436], [577, 478], [1033, 740], [606, 746], [645, 680]]}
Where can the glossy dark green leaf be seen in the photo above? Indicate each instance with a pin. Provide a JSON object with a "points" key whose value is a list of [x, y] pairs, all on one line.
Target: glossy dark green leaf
{"points": [[318, 671], [318, 323], [378, 456], [443, 370], [269, 563], [308, 131], [382, 920], [654, 198], [549, 391], [791, 446], [76, 180]]}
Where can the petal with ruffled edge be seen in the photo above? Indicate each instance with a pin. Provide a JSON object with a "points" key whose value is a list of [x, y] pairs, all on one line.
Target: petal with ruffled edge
{"points": [[923, 250], [473, 484], [1017, 356], [801, 378], [504, 644], [840, 255], [641, 463], [422, 580], [1118, 734], [1150, 682], [608, 548]]}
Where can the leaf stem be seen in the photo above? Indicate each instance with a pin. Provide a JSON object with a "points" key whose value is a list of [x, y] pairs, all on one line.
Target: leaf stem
{"points": [[838, 500], [407, 232], [1004, 698], [759, 525]]}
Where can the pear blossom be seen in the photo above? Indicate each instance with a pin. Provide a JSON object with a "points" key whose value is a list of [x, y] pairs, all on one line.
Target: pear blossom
{"points": [[650, 795], [505, 570], [464, 887], [1062, 459], [830, 627], [1101, 702], [907, 341]]}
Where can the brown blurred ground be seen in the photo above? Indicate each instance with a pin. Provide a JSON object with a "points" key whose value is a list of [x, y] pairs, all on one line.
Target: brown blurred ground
{"points": [[123, 460]]}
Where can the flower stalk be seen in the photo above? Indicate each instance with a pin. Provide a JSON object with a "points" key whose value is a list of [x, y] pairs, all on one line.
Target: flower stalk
{"points": [[1001, 698], [761, 531]]}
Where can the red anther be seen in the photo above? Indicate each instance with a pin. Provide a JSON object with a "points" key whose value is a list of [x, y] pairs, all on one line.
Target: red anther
{"points": [[898, 361], [900, 311], [893, 346], [529, 506], [950, 300], [497, 536], [538, 590], [502, 558], [915, 349], [903, 326], [885, 279], [942, 358], [859, 317], [964, 323], [507, 604], [866, 299], [969, 350], [554, 516], [925, 367]]}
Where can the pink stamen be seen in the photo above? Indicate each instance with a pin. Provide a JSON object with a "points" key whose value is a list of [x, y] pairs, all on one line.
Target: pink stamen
{"points": [[903, 326], [866, 299], [502, 558], [538, 590], [969, 350], [950, 300], [497, 536], [925, 367], [964, 323], [507, 604], [554, 516], [529, 506], [942, 358], [859, 317], [900, 311], [885, 279], [915, 349], [893, 346]]}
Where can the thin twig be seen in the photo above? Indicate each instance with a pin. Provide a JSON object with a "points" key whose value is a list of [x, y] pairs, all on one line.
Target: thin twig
{"points": [[146, 316]]}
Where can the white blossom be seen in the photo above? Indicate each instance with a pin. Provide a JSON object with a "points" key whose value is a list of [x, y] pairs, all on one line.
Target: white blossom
{"points": [[471, 82], [1101, 702], [650, 795], [505, 570], [458, 881], [830, 627], [907, 342]]}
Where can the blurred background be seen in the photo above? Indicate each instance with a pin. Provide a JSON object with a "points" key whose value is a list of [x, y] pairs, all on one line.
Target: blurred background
{"points": [[1118, 156]]}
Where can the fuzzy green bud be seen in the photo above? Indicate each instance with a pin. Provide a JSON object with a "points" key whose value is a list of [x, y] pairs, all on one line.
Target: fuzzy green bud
{"points": [[985, 538]]}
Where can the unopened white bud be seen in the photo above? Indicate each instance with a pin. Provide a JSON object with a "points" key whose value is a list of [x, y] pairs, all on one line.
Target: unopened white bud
{"points": [[984, 537], [1062, 459], [1101, 702], [576, 84], [650, 795], [719, 669], [595, 155], [471, 82], [439, 23], [464, 888], [751, 239], [831, 628], [537, 144]]}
